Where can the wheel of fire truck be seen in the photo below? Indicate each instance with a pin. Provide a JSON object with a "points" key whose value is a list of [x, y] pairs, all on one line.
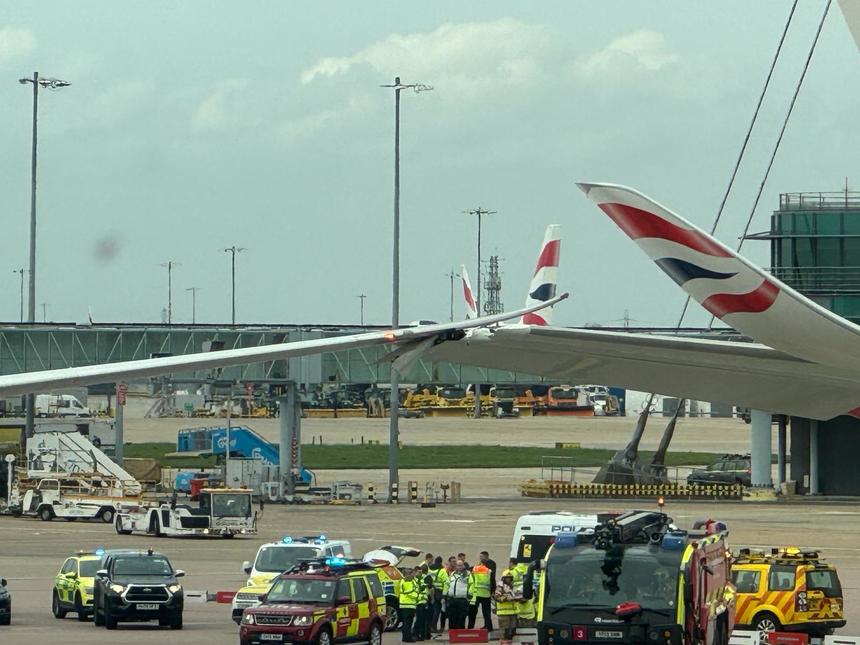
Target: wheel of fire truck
{"points": [[46, 513], [107, 514], [765, 622], [118, 526]]}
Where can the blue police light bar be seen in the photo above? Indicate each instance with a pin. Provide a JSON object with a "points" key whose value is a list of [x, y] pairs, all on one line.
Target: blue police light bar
{"points": [[565, 540], [335, 562], [287, 539], [321, 539], [673, 542], [100, 552]]}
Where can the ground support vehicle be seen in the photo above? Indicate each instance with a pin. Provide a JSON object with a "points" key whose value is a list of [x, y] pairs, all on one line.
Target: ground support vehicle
{"points": [[565, 400], [60, 405], [729, 469], [73, 586], [221, 512], [137, 586], [71, 497], [787, 590], [636, 579], [325, 602], [274, 558], [5, 603]]}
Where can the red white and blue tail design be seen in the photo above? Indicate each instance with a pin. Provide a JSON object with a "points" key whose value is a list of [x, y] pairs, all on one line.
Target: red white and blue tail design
{"points": [[726, 284], [544, 282], [468, 294]]}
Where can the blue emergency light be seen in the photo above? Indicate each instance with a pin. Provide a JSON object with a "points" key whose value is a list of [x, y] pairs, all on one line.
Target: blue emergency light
{"points": [[321, 539], [565, 540], [287, 539], [673, 542], [100, 552], [335, 562]]}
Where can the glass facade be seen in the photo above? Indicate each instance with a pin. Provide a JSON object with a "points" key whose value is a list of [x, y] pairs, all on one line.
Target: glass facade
{"points": [[815, 248]]}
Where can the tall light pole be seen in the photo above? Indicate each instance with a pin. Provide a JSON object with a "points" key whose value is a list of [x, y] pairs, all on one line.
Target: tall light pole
{"points": [[362, 297], [169, 265], [452, 275], [480, 212], [51, 84], [394, 415], [233, 250], [22, 270], [193, 291]]}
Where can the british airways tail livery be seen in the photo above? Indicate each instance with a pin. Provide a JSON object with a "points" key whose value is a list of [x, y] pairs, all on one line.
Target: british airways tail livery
{"points": [[730, 287], [544, 282], [468, 294]]}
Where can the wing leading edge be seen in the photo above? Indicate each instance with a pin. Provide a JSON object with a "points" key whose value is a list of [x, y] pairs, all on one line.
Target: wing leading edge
{"points": [[111, 372]]}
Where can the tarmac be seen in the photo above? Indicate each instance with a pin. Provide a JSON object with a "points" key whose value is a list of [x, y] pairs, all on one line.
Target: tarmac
{"points": [[31, 552]]}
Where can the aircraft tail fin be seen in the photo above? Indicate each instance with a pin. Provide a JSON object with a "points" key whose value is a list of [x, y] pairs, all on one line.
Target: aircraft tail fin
{"points": [[468, 294], [544, 282]]}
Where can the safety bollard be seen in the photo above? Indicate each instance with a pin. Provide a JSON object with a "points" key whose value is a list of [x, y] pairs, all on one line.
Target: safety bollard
{"points": [[413, 492], [394, 493]]}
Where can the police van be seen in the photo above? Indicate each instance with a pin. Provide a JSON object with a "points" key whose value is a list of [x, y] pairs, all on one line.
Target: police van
{"points": [[536, 531]]}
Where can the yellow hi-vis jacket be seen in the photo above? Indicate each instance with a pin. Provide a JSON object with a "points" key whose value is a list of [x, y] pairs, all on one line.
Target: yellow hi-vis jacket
{"points": [[409, 593], [506, 599], [479, 581], [440, 578]]}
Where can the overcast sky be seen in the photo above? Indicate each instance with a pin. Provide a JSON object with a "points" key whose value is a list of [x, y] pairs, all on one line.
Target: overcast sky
{"points": [[191, 126]]}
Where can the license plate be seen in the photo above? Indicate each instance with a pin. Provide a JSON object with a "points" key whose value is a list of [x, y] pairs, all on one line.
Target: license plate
{"points": [[271, 637], [607, 634], [146, 606]]}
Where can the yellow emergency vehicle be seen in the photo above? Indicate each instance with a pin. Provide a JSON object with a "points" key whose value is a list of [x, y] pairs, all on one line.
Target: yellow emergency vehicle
{"points": [[787, 590], [73, 586]]}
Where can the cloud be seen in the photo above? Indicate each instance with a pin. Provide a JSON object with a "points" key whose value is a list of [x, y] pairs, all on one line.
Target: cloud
{"points": [[463, 58], [226, 106], [641, 51], [15, 43]]}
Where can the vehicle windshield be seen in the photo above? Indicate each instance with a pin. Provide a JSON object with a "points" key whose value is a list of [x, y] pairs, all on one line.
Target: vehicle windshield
{"points": [[142, 565], [589, 577], [302, 590], [506, 393], [277, 559], [564, 394], [231, 505], [88, 568], [452, 393]]}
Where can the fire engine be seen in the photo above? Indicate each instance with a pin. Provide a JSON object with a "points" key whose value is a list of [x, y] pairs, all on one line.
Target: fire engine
{"points": [[636, 578]]}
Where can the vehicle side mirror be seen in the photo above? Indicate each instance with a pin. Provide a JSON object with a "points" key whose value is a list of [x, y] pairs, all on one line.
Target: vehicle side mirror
{"points": [[262, 597], [246, 567], [71, 575], [2, 582], [102, 573], [344, 600], [179, 573]]}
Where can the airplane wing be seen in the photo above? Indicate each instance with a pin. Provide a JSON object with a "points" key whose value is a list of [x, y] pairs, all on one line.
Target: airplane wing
{"points": [[744, 374], [737, 292], [112, 372]]}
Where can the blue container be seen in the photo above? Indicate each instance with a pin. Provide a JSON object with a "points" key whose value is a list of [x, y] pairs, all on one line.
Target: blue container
{"points": [[183, 482]]}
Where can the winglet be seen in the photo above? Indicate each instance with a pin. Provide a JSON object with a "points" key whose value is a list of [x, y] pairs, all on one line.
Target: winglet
{"points": [[544, 283]]}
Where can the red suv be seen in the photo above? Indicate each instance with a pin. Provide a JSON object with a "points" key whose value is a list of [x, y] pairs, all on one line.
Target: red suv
{"points": [[323, 604]]}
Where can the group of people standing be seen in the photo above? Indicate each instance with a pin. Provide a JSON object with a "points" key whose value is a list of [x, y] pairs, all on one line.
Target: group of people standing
{"points": [[454, 591]]}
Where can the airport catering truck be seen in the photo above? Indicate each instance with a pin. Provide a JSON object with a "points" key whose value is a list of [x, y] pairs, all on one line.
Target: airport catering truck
{"points": [[636, 579], [223, 512]]}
